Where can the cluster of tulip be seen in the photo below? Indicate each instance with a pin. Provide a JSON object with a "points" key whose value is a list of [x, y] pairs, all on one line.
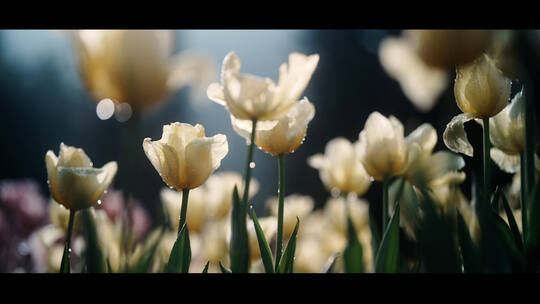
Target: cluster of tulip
{"points": [[210, 227]]}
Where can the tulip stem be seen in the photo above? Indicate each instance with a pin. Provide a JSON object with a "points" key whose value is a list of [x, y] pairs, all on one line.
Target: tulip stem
{"points": [[487, 169], [386, 182], [281, 198], [183, 211], [524, 188], [68, 241], [248, 165]]}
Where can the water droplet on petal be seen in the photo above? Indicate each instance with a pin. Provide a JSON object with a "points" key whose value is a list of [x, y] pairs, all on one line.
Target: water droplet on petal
{"points": [[252, 165], [99, 202]]}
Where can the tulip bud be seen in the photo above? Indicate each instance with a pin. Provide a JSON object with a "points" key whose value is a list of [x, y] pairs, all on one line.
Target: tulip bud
{"points": [[382, 147], [72, 180], [481, 89], [184, 157], [339, 167]]}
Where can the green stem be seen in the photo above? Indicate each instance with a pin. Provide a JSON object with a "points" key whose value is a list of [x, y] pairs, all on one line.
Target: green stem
{"points": [[386, 182], [524, 188], [281, 198], [68, 239], [183, 211], [487, 158], [247, 175], [527, 166]]}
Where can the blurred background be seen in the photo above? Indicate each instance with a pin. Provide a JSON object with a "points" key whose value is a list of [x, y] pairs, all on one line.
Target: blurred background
{"points": [[45, 102]]}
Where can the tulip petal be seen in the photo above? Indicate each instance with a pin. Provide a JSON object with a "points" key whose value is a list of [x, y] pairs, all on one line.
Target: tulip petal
{"points": [[73, 157], [203, 156], [80, 188], [508, 163], [51, 161], [425, 136], [165, 161], [295, 76], [243, 127], [455, 137], [215, 93]]}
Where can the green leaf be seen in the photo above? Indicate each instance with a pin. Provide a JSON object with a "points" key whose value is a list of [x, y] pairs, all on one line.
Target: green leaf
{"points": [[495, 200], [436, 239], [239, 248], [387, 259], [516, 258], [65, 264], [224, 269], [469, 252], [329, 265], [266, 253], [513, 225], [352, 255], [533, 203], [95, 261], [286, 264], [375, 236], [205, 270], [180, 257]]}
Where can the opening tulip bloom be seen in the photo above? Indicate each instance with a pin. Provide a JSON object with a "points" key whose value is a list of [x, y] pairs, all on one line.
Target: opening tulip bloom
{"points": [[287, 135], [382, 147], [184, 157], [340, 169], [249, 97], [73, 181]]}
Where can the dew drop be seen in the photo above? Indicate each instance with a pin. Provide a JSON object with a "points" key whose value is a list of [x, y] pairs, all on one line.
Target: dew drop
{"points": [[252, 165], [99, 202], [69, 249], [171, 187]]}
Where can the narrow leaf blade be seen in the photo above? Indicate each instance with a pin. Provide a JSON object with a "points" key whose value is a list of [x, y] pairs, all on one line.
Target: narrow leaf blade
{"points": [[387, 260], [352, 255], [266, 253], [286, 264], [239, 252]]}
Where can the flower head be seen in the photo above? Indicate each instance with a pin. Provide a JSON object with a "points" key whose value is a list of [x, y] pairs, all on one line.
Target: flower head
{"points": [[481, 88], [382, 147], [249, 97], [73, 181], [184, 157], [135, 66], [340, 168]]}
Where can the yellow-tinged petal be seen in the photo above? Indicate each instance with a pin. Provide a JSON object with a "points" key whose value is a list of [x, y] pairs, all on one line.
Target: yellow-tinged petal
{"points": [[481, 89], [455, 137], [508, 163], [73, 157], [81, 188], [425, 136]]}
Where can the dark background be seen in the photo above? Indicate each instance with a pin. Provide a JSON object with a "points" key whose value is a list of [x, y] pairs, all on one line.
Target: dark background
{"points": [[44, 103]]}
